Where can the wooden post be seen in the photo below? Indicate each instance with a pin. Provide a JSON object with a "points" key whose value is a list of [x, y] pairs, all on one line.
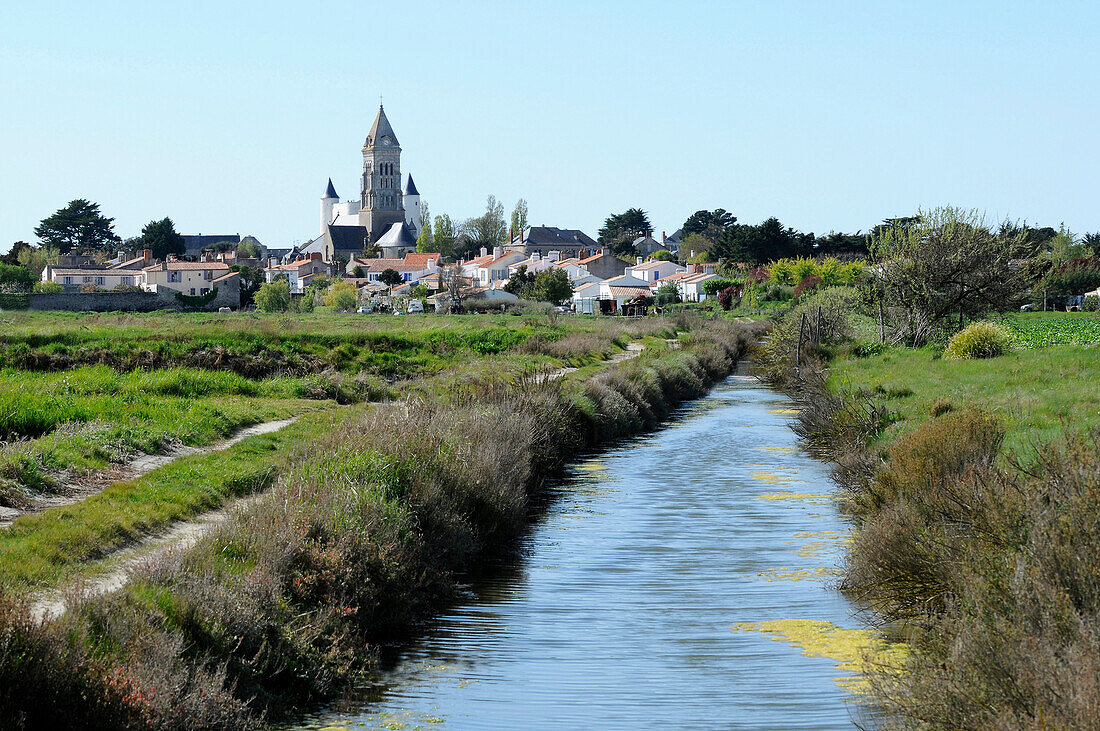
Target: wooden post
{"points": [[798, 350], [881, 323]]}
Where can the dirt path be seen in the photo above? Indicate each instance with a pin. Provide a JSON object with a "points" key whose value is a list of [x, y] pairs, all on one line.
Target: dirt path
{"points": [[76, 488], [633, 350], [52, 604]]}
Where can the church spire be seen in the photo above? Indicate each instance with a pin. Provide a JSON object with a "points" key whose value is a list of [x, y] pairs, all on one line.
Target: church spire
{"points": [[380, 131], [330, 192]]}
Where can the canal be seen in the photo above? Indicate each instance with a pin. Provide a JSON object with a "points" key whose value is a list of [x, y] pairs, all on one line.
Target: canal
{"points": [[621, 612]]}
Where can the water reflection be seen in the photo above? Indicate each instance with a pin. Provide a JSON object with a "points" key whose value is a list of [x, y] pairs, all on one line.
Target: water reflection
{"points": [[621, 612]]}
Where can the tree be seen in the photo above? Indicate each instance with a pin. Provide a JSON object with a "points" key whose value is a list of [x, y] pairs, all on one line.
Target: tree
{"points": [[252, 278], [1091, 240], [391, 278], [17, 277], [78, 226], [424, 239], [489, 229], [520, 282], [710, 225], [161, 239], [249, 248], [12, 257], [274, 296], [342, 295], [948, 268], [444, 236], [668, 294], [765, 242], [553, 286], [36, 259], [662, 255], [621, 229], [519, 218]]}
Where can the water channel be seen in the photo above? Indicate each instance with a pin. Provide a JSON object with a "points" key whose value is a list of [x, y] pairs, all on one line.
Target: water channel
{"points": [[620, 613]]}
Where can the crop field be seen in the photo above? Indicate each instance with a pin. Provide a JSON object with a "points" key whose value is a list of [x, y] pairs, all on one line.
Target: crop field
{"points": [[1044, 329]]}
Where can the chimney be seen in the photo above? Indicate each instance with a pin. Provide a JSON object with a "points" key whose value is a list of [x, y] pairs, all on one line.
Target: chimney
{"points": [[272, 262], [498, 251], [484, 251], [663, 237], [536, 256], [315, 256], [147, 254], [604, 251], [638, 259], [553, 255]]}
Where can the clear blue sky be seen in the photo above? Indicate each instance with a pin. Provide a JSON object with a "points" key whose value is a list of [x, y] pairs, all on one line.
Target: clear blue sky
{"points": [[229, 117]]}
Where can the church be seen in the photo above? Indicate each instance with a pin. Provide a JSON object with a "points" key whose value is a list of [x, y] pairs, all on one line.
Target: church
{"points": [[385, 214]]}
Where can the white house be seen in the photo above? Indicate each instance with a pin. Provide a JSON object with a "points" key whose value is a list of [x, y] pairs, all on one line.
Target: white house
{"points": [[585, 298], [487, 269], [92, 277], [535, 263], [622, 289], [651, 271], [185, 277]]}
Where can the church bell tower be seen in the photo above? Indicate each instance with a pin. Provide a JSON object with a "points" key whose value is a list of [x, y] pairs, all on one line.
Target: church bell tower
{"points": [[381, 205]]}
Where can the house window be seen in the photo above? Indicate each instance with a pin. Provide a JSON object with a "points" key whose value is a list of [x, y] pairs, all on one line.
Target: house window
{"points": [[99, 280], [208, 275], [204, 290], [128, 281], [87, 279], [192, 290], [174, 277], [66, 280]]}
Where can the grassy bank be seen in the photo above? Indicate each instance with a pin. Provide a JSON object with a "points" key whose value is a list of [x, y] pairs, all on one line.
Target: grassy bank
{"points": [[364, 533], [974, 487], [79, 392]]}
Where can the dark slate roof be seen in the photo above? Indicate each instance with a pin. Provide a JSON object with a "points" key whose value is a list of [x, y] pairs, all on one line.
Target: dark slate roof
{"points": [[380, 129], [552, 236], [399, 234], [348, 238], [410, 187], [675, 238], [330, 192]]}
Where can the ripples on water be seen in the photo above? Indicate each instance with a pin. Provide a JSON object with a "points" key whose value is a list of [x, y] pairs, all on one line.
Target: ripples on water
{"points": [[619, 614]]}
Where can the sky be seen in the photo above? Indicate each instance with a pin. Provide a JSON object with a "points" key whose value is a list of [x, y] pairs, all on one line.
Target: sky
{"points": [[230, 117]]}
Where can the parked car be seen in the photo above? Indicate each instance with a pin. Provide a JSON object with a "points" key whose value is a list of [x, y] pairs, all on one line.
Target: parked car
{"points": [[414, 306]]}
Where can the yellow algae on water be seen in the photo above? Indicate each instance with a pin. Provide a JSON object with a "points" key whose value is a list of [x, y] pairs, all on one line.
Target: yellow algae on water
{"points": [[812, 549], [784, 411], [784, 574], [778, 449], [792, 496], [855, 650], [770, 478]]}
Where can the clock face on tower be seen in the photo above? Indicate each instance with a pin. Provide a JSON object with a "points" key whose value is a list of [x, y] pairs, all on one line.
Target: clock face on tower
{"points": [[386, 141]]}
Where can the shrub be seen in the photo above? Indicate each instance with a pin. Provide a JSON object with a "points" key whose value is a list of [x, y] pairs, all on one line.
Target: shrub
{"points": [[49, 287], [725, 297], [806, 284], [979, 340], [273, 296], [342, 296], [1091, 303]]}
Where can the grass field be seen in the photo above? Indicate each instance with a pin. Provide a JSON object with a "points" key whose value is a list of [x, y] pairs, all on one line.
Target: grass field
{"points": [[1038, 390]]}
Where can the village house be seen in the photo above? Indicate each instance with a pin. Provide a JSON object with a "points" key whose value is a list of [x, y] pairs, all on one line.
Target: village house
{"points": [[603, 264], [651, 271], [92, 277], [412, 267], [535, 263], [186, 277], [618, 290], [569, 242], [487, 269]]}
